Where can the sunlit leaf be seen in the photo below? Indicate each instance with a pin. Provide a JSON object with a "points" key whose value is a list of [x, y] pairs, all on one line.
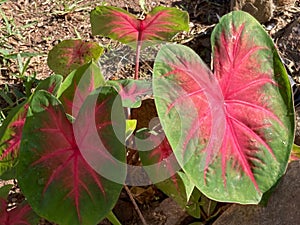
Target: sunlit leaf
{"points": [[130, 128], [233, 130], [161, 24], [71, 54], [78, 85]]}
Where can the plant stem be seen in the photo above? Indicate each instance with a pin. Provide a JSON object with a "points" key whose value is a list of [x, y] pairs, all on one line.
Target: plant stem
{"points": [[136, 77], [135, 205], [137, 58], [113, 219]]}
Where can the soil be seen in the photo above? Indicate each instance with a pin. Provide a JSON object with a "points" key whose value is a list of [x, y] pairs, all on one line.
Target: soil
{"points": [[36, 26]]}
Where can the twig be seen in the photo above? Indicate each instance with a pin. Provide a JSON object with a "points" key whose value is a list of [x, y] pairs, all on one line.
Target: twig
{"points": [[135, 205]]}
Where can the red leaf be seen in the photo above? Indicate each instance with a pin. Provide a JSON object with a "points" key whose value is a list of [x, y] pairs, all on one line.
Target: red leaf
{"points": [[161, 23], [155, 151], [13, 144], [71, 54], [68, 190], [235, 60], [235, 126], [163, 152], [78, 85]]}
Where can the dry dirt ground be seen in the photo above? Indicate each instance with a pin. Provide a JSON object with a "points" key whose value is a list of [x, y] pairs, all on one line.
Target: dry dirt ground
{"points": [[32, 28]]}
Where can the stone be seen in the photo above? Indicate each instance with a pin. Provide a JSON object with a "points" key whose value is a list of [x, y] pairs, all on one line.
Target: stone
{"points": [[284, 2], [173, 212], [282, 207], [262, 10]]}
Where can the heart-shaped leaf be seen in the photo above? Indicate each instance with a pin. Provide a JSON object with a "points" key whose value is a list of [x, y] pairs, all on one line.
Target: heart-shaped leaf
{"points": [[160, 24], [233, 130], [58, 182], [71, 54], [78, 85], [132, 91]]}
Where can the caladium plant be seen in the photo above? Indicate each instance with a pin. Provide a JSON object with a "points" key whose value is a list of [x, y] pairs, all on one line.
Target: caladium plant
{"points": [[72, 54], [232, 129], [229, 131], [161, 24], [53, 174], [52, 169], [78, 85]]}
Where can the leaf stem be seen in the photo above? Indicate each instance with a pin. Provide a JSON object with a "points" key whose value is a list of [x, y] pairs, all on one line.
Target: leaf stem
{"points": [[113, 219], [137, 58], [136, 77], [135, 205]]}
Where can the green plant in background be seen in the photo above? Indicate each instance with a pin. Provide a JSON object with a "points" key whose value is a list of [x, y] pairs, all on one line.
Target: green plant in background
{"points": [[67, 7], [22, 61], [10, 28], [226, 131], [15, 94]]}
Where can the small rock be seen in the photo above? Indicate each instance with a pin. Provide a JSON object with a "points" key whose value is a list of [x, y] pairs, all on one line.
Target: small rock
{"points": [[262, 10], [282, 208], [284, 2], [173, 212]]}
